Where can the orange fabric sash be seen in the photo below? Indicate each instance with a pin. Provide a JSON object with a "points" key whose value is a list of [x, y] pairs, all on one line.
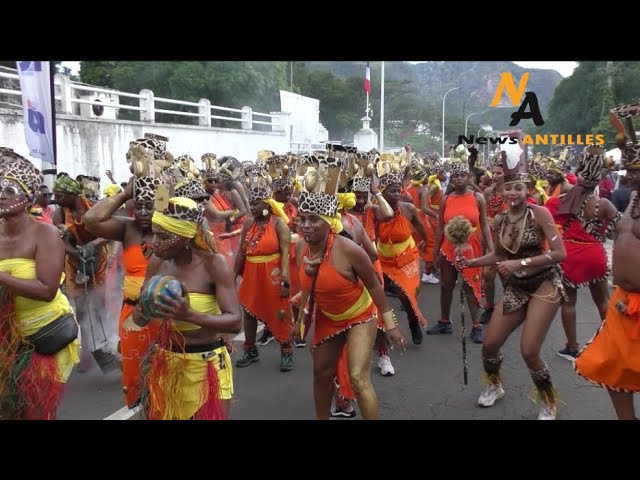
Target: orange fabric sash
{"points": [[402, 269], [611, 358], [133, 343]]}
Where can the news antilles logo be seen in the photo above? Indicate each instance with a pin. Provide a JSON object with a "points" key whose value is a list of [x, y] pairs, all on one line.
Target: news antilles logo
{"points": [[515, 94]]}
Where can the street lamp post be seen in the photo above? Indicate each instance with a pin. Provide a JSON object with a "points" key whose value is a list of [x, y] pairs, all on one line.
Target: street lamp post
{"points": [[443, 99], [467, 120]]}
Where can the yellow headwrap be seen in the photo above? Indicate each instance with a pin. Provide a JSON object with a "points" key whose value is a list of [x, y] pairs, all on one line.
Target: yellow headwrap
{"points": [[334, 222], [539, 187], [434, 180], [185, 219], [276, 208], [346, 201], [111, 190]]}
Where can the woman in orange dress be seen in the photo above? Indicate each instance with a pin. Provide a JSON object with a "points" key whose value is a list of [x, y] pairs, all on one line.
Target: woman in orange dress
{"points": [[263, 263], [470, 205], [343, 290]]}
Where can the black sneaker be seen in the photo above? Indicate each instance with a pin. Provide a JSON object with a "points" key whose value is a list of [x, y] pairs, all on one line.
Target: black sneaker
{"points": [[416, 333], [286, 362], [476, 334], [107, 361], [440, 327], [300, 344], [266, 338], [248, 358], [486, 316], [568, 354], [337, 413]]}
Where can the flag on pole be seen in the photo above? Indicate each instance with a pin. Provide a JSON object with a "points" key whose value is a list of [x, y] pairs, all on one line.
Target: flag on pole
{"points": [[367, 79], [35, 84]]}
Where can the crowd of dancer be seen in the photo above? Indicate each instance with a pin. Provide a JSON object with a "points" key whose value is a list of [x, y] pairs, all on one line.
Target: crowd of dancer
{"points": [[311, 246]]}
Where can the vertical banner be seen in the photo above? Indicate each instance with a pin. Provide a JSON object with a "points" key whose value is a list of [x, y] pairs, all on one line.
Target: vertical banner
{"points": [[36, 86]]}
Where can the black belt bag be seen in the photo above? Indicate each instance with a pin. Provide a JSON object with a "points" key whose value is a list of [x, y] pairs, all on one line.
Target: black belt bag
{"points": [[52, 338]]}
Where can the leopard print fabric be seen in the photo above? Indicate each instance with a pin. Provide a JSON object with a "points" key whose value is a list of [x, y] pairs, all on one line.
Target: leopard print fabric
{"points": [[280, 184], [180, 212], [210, 165], [144, 189], [459, 167], [390, 179], [361, 184], [191, 189], [258, 193], [19, 168], [318, 203], [519, 290], [630, 157], [537, 171]]}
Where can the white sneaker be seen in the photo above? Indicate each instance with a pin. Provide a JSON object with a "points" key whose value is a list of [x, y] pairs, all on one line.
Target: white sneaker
{"points": [[490, 395], [430, 279], [384, 364], [547, 412]]}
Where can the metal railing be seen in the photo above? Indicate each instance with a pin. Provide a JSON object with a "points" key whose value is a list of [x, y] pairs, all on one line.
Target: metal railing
{"points": [[67, 93]]}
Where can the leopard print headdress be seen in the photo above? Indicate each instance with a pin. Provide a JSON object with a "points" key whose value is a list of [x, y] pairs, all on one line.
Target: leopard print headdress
{"points": [[210, 165], [15, 167], [144, 189], [323, 173], [620, 118], [361, 184], [191, 189], [389, 169]]}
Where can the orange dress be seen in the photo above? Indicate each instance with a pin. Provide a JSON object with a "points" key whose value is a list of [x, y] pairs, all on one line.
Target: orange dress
{"points": [[218, 227], [427, 253], [611, 358], [339, 302], [467, 207], [399, 258], [134, 342], [368, 221], [434, 202], [259, 291], [294, 283]]}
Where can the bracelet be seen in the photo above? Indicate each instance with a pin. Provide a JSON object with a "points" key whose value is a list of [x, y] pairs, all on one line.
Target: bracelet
{"points": [[389, 320]]}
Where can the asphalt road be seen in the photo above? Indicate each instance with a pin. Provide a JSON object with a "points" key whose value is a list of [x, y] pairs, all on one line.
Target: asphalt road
{"points": [[428, 383]]}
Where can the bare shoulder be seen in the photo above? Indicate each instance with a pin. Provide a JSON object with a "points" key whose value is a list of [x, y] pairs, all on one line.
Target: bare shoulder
{"points": [[347, 247], [45, 233], [216, 263], [541, 214]]}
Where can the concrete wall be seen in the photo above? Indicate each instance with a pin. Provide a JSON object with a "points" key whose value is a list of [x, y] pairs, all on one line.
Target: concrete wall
{"points": [[91, 146]]}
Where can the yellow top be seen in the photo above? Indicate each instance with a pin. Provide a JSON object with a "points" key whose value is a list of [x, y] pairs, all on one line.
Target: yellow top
{"points": [[199, 302], [35, 314]]}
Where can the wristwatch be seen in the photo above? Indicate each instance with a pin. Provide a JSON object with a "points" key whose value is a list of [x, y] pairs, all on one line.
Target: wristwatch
{"points": [[525, 261]]}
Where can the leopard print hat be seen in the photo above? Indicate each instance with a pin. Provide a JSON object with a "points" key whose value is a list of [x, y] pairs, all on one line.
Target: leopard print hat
{"points": [[16, 167]]}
